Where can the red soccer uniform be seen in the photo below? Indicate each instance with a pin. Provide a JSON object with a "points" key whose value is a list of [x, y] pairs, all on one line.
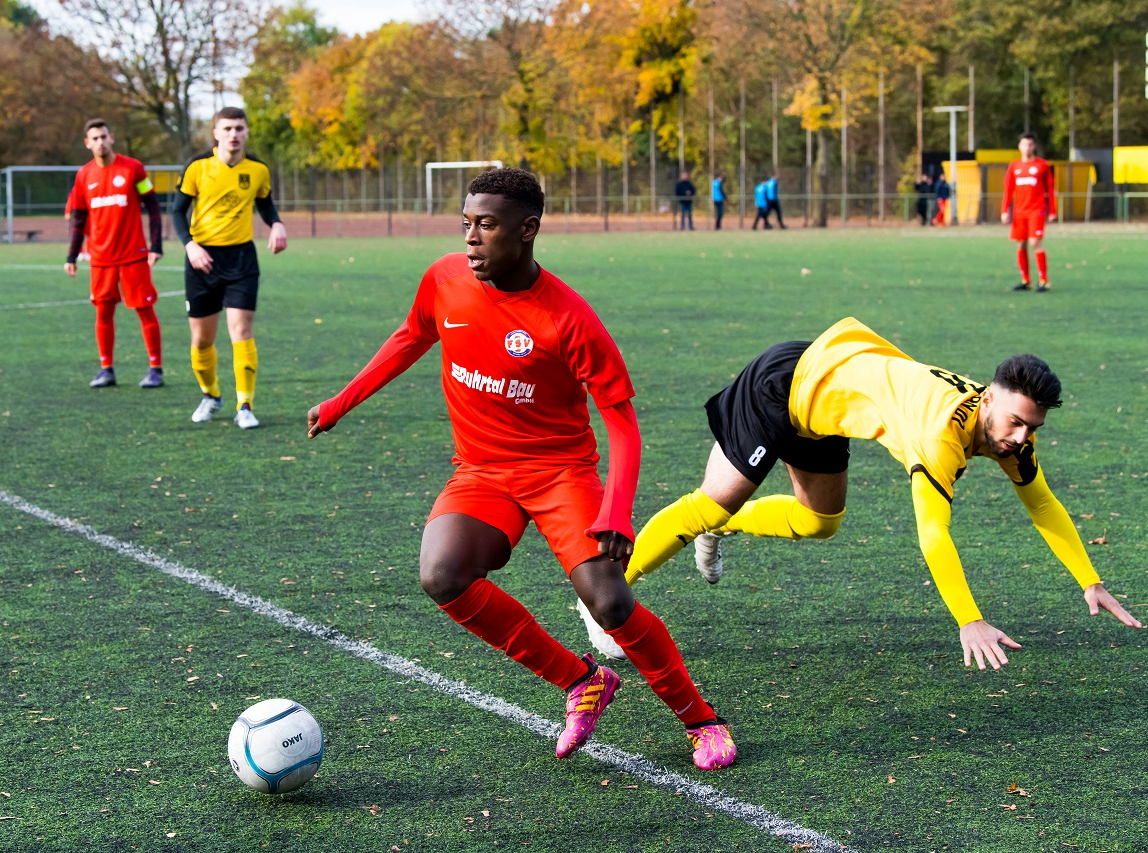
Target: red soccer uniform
{"points": [[515, 367], [111, 196]]}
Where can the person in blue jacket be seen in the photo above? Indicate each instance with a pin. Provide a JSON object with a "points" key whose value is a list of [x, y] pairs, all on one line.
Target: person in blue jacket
{"points": [[719, 201]]}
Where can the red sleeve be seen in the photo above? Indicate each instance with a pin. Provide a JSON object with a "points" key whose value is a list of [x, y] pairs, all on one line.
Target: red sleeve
{"points": [[622, 479], [1009, 189], [594, 358], [407, 345], [1050, 189]]}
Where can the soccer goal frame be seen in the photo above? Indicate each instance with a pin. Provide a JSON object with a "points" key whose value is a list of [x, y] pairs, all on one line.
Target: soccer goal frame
{"points": [[8, 175], [452, 164]]}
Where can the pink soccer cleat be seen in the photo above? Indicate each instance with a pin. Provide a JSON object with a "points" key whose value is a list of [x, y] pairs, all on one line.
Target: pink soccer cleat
{"points": [[585, 703], [713, 745]]}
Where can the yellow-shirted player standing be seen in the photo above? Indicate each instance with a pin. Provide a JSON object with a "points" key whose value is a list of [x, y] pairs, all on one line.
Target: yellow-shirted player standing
{"points": [[800, 403], [222, 268]]}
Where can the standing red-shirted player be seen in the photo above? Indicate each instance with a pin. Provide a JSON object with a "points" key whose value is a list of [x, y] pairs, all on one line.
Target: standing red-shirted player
{"points": [[105, 203], [1030, 189], [520, 350]]}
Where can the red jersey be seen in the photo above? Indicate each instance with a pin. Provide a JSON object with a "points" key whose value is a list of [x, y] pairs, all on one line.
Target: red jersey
{"points": [[1029, 188], [516, 367], [111, 196]]}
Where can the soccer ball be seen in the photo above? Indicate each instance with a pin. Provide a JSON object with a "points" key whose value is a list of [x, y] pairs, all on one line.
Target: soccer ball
{"points": [[275, 746]]}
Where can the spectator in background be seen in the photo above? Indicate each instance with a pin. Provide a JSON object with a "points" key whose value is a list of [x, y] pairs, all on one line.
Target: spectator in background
{"points": [[719, 201], [684, 191], [761, 200], [773, 201], [942, 190], [923, 188]]}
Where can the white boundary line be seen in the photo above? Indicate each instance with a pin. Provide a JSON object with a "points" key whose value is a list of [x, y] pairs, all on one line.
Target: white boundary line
{"points": [[24, 305], [635, 765]]}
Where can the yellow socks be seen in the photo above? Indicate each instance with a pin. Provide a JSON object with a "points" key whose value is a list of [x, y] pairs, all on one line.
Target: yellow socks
{"points": [[203, 363], [671, 529], [783, 517], [246, 364]]}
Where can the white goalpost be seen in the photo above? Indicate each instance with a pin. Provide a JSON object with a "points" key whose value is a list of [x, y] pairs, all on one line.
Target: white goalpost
{"points": [[39, 195], [454, 164]]}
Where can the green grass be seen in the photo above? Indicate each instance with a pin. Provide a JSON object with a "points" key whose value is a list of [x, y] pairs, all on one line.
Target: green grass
{"points": [[835, 661]]}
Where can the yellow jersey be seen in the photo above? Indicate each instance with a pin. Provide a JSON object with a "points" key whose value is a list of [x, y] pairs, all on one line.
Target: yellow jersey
{"points": [[852, 382], [224, 198]]}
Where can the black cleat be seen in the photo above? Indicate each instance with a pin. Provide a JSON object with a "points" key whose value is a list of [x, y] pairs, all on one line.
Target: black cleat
{"points": [[104, 379], [1024, 285], [1043, 287]]}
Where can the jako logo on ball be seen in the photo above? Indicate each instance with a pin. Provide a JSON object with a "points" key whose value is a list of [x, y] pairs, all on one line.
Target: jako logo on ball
{"points": [[519, 343], [275, 746]]}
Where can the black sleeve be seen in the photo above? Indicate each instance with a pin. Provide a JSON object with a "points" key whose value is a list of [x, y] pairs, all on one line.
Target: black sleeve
{"points": [[154, 222], [76, 234], [180, 216], [267, 210]]}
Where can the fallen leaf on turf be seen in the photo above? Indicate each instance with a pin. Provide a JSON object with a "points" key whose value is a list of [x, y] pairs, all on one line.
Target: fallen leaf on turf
{"points": [[485, 813], [1099, 540], [805, 271], [1020, 792], [891, 779], [629, 786], [1008, 807], [604, 782], [803, 846], [153, 782], [373, 809]]}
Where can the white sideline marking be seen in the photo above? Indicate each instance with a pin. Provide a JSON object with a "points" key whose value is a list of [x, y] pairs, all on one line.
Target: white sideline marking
{"points": [[21, 305], [635, 765]]}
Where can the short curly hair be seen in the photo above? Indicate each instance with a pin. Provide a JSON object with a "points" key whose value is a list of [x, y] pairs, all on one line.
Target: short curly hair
{"points": [[517, 185], [1031, 376]]}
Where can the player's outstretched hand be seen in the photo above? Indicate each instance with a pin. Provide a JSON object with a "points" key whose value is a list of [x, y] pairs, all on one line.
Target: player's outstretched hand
{"points": [[614, 545], [981, 640], [313, 428], [1097, 596], [198, 257], [277, 239], [70, 269]]}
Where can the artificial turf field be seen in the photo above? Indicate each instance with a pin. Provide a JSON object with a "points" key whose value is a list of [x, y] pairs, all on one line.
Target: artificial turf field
{"points": [[836, 662]]}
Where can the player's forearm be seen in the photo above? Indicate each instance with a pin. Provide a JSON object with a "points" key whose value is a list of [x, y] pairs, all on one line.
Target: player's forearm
{"points": [[181, 216], [154, 222], [401, 350], [1054, 523], [933, 517], [625, 439], [267, 211], [76, 234]]}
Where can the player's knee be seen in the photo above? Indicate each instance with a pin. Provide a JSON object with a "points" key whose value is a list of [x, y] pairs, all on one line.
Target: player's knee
{"points": [[808, 524], [610, 607], [442, 580]]}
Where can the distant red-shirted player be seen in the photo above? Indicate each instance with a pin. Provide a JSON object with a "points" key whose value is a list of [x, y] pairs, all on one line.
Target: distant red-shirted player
{"points": [[105, 205], [1030, 191], [520, 351]]}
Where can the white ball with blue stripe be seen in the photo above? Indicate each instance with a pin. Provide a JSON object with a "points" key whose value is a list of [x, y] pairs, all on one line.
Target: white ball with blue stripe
{"points": [[275, 746]]}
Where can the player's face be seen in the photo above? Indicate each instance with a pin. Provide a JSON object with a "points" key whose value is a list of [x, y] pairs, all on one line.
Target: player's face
{"points": [[498, 234], [1027, 148], [231, 134], [99, 141], [1009, 419]]}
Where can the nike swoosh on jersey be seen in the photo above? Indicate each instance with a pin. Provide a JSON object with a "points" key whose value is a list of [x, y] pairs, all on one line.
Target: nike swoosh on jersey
{"points": [[449, 325]]}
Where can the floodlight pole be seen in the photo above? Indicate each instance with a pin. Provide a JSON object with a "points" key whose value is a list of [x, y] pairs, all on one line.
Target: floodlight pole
{"points": [[952, 111]]}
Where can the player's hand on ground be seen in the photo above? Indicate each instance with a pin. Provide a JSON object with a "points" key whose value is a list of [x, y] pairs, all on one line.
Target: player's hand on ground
{"points": [[982, 641], [153, 258], [277, 239], [70, 269], [1097, 597], [198, 257], [1004, 219], [313, 428], [614, 545]]}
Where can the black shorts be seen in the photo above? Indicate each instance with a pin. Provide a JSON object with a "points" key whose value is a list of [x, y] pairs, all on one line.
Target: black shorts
{"points": [[232, 283], [750, 420]]}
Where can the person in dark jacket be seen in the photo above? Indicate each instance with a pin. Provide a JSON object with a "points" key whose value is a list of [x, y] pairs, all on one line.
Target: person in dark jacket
{"points": [[684, 192]]}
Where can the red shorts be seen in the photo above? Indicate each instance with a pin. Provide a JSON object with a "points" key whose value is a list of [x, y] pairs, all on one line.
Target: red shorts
{"points": [[562, 502], [134, 279], [1027, 226]]}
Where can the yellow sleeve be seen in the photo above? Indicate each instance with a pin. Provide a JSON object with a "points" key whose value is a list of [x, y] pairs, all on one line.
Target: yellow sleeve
{"points": [[933, 517], [264, 188], [188, 183], [1055, 524]]}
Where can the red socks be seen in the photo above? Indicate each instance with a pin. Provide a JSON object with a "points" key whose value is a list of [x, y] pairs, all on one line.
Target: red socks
{"points": [[652, 650], [1042, 265], [1022, 262], [501, 621], [150, 325], [106, 331]]}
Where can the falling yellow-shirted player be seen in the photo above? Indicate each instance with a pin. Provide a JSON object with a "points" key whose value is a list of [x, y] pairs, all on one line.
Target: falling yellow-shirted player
{"points": [[222, 269], [800, 403]]}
